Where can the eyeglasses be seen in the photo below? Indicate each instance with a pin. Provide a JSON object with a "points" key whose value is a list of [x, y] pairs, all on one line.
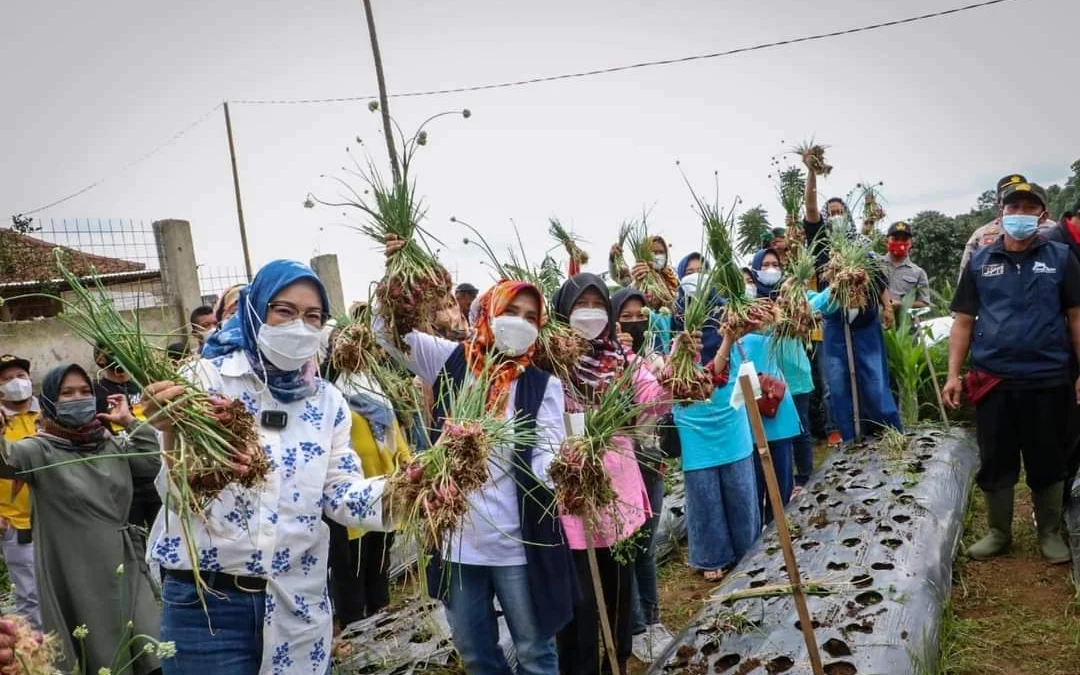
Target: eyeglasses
{"points": [[286, 311]]}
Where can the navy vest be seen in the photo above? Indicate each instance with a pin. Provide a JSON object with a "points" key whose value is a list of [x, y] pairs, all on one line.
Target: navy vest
{"points": [[549, 563], [1020, 332]]}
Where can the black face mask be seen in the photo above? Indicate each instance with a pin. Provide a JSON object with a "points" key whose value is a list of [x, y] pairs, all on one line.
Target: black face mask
{"points": [[636, 330]]}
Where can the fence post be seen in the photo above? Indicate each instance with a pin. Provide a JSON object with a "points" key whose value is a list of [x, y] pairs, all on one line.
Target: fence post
{"points": [[179, 272], [326, 268]]}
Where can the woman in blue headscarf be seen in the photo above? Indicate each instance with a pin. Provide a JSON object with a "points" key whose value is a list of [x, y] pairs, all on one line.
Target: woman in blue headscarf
{"points": [[263, 551]]}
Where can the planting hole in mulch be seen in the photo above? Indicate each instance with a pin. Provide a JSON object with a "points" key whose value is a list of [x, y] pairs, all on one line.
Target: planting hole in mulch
{"points": [[864, 519], [758, 584], [866, 628], [862, 581], [870, 502], [836, 648], [748, 666], [901, 518], [781, 664], [882, 566], [898, 491], [840, 668], [851, 542], [713, 646], [727, 662], [814, 623], [906, 499], [869, 598], [754, 573], [823, 497], [809, 545], [834, 565], [855, 472], [819, 520], [836, 504], [892, 543], [806, 508], [883, 529]]}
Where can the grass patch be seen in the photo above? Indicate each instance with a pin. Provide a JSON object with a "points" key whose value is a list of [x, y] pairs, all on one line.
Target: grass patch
{"points": [[1014, 614]]}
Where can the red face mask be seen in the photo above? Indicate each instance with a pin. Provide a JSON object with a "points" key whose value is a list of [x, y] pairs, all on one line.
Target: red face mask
{"points": [[898, 248]]}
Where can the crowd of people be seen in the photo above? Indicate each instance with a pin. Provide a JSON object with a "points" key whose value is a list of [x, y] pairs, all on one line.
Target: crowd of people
{"points": [[267, 577]]}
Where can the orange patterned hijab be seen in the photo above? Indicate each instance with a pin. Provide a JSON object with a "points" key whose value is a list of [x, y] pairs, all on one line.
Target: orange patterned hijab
{"points": [[504, 370]]}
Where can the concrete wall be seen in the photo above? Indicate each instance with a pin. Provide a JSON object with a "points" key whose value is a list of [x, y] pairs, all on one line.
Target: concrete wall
{"points": [[48, 342]]}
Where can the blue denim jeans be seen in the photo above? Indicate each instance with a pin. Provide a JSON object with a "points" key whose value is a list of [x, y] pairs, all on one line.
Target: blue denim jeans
{"points": [[20, 567], [646, 599], [236, 643], [723, 518], [877, 407], [471, 614], [781, 452], [804, 442]]}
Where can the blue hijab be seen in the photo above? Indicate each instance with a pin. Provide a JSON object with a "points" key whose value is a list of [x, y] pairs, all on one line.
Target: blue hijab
{"points": [[240, 331], [763, 291]]}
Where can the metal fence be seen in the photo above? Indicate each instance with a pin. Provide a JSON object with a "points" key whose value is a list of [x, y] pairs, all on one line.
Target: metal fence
{"points": [[213, 281], [120, 254]]}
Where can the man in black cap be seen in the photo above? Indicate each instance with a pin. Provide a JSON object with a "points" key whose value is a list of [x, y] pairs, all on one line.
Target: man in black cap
{"points": [[1017, 308], [905, 277], [465, 293], [985, 235]]}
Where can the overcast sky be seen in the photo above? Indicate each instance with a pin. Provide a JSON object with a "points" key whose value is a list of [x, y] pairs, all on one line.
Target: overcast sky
{"points": [[938, 110]]}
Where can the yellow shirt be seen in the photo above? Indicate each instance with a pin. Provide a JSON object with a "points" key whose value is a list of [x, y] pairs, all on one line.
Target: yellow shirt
{"points": [[15, 494], [377, 459]]}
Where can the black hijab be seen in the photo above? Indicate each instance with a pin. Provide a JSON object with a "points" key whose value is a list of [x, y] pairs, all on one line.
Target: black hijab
{"points": [[562, 303], [618, 301], [604, 359], [90, 435]]}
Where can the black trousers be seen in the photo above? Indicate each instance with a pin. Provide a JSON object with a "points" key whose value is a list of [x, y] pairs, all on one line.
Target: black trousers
{"points": [[359, 573], [1028, 423], [581, 646]]}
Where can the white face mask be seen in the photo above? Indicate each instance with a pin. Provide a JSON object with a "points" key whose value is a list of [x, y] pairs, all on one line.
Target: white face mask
{"points": [[689, 284], [513, 335], [838, 222], [751, 292], [589, 322], [769, 276], [324, 339], [17, 390], [289, 345], [659, 261]]}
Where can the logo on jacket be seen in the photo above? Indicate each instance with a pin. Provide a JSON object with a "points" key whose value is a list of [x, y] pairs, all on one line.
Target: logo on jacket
{"points": [[995, 270], [1040, 268]]}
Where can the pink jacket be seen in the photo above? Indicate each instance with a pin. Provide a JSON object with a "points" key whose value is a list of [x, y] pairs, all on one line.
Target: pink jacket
{"points": [[632, 501]]}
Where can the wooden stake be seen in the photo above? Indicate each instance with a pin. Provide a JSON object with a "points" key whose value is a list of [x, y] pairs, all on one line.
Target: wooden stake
{"points": [[601, 602], [854, 382], [236, 191], [384, 103], [773, 488]]}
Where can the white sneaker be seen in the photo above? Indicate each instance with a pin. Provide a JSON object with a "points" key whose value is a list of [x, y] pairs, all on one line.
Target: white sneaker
{"points": [[641, 647], [651, 644]]}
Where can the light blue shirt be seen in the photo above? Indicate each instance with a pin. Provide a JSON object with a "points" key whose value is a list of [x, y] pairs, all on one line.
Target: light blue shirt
{"points": [[761, 350], [713, 433]]}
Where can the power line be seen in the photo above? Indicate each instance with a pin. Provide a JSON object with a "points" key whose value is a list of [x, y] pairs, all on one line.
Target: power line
{"points": [[518, 83], [172, 139], [634, 66]]}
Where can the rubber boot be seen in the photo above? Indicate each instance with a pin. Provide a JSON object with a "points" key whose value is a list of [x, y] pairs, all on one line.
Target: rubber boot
{"points": [[1048, 513], [999, 514]]}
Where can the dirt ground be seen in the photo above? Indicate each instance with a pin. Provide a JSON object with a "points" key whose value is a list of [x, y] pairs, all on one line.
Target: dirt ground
{"points": [[1015, 615]]}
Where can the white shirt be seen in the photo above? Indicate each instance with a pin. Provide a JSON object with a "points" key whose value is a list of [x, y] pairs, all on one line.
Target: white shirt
{"points": [[490, 532], [276, 532]]}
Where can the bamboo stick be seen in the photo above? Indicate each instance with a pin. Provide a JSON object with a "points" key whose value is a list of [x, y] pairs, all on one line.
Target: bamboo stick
{"points": [[773, 488]]}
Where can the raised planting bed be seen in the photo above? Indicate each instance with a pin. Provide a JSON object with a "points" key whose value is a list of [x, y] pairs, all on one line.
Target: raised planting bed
{"points": [[875, 534]]}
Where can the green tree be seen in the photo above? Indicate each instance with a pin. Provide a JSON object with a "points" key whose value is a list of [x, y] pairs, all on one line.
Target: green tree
{"points": [[753, 228], [1064, 197], [939, 244]]}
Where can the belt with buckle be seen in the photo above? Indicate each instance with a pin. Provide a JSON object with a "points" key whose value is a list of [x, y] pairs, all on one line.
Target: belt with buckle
{"points": [[219, 581]]}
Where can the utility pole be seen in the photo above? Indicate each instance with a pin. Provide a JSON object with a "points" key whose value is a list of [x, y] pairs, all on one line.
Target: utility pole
{"points": [[384, 104], [236, 191]]}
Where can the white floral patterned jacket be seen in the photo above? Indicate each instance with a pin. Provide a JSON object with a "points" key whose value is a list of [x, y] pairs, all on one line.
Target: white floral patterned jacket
{"points": [[277, 532]]}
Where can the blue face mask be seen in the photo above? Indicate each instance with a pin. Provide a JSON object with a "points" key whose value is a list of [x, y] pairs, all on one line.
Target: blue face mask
{"points": [[1019, 226]]}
